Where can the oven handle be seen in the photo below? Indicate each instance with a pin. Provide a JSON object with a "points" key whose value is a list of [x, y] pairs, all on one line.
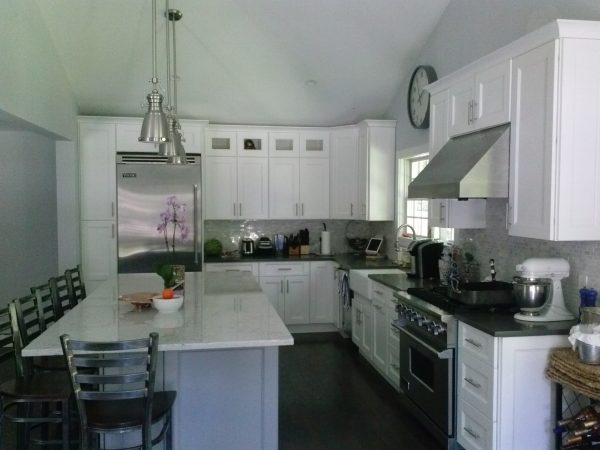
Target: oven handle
{"points": [[444, 354]]}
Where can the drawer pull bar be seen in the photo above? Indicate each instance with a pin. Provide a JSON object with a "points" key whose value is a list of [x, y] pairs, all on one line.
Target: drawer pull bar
{"points": [[378, 292], [471, 432], [473, 343], [232, 270], [395, 330], [285, 268], [395, 367], [473, 383]]}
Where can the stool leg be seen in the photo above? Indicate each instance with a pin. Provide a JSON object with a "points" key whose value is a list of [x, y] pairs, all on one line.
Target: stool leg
{"points": [[66, 438], [169, 437]]}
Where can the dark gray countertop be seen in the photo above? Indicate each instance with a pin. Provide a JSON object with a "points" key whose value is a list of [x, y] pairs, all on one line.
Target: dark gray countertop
{"points": [[498, 324], [502, 324], [347, 261]]}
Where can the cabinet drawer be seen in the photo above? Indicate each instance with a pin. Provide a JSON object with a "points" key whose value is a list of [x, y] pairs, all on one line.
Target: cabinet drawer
{"points": [[474, 431], [283, 269], [378, 291], [475, 383], [479, 344], [233, 267]]}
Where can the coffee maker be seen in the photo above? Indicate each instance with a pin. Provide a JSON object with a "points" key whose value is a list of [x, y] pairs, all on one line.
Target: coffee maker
{"points": [[424, 255]]}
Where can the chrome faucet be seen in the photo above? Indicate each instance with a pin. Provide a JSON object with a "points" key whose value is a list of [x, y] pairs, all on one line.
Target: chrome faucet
{"points": [[404, 225]]}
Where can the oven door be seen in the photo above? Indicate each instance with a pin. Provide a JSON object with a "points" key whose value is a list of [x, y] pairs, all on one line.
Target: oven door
{"points": [[427, 378]]}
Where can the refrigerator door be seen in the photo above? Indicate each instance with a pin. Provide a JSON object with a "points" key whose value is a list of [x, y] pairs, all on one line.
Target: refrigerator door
{"points": [[158, 216]]}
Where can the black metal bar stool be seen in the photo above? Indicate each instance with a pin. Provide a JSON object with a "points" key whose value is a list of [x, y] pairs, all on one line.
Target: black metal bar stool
{"points": [[121, 398], [45, 305], [22, 397], [61, 300], [75, 284]]}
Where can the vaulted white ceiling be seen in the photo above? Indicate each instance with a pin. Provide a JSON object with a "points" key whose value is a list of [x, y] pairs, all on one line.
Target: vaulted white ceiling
{"points": [[245, 61]]}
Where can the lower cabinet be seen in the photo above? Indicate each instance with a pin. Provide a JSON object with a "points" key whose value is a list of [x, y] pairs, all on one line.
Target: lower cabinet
{"points": [[362, 325], [380, 336], [322, 292], [504, 400], [290, 297], [233, 267], [98, 252]]}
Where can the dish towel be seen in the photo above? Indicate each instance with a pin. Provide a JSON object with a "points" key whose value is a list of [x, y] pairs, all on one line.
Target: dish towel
{"points": [[344, 291]]}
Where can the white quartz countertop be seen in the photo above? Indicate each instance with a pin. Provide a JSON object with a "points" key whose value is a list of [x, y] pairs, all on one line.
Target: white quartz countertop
{"points": [[220, 310]]}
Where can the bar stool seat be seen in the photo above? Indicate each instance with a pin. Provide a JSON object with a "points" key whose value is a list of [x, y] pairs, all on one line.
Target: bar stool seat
{"points": [[41, 386], [110, 415]]}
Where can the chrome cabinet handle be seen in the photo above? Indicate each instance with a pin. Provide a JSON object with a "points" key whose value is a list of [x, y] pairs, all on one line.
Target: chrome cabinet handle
{"points": [[471, 432], [395, 367], [288, 286], [302, 209], [240, 210], [470, 113], [196, 230], [281, 286], [284, 268], [112, 209], [232, 270], [378, 292], [473, 343], [234, 210], [296, 209], [351, 209], [112, 230], [473, 383], [442, 207], [474, 111]]}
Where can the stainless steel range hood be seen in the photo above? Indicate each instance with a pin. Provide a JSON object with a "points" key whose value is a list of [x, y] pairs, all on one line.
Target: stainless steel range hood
{"points": [[470, 166]]}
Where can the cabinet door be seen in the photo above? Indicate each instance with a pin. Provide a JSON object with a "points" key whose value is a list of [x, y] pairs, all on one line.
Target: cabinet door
{"points": [[273, 288], [221, 142], [357, 318], [377, 160], [344, 172], [438, 136], [314, 188], [367, 328], [284, 188], [380, 336], [98, 252], [97, 171], [492, 100], [253, 143], [362, 177], [532, 148], [314, 144], [193, 134], [253, 187], [461, 95], [322, 292], [284, 144], [220, 186], [297, 291]]}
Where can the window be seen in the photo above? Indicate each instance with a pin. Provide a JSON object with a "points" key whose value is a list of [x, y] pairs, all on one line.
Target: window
{"points": [[417, 211]]}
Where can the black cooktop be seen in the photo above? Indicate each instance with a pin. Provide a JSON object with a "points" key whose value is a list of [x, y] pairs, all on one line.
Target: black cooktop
{"points": [[438, 297]]}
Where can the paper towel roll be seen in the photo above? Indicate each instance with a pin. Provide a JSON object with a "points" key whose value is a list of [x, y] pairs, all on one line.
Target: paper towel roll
{"points": [[325, 243]]}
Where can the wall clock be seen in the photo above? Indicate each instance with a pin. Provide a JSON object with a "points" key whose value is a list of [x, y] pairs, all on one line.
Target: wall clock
{"points": [[418, 98]]}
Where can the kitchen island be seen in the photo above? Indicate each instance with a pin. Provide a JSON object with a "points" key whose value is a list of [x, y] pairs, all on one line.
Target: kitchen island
{"points": [[219, 352]]}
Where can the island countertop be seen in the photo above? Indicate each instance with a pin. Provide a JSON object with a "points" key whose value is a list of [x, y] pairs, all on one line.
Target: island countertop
{"points": [[220, 311]]}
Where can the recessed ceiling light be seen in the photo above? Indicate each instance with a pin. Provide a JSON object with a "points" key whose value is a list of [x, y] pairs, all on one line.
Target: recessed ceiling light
{"points": [[310, 82]]}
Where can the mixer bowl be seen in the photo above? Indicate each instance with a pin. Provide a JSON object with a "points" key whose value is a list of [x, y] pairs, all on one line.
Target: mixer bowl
{"points": [[531, 294]]}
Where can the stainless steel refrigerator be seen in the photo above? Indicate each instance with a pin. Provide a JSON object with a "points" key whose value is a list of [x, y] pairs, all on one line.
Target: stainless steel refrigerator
{"points": [[159, 213]]}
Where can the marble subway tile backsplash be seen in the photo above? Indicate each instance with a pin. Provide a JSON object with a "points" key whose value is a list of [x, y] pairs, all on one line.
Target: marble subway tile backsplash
{"points": [[508, 251], [229, 232]]}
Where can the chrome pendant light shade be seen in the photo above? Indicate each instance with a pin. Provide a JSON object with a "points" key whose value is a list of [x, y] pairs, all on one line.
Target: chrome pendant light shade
{"points": [[154, 127], [173, 149]]}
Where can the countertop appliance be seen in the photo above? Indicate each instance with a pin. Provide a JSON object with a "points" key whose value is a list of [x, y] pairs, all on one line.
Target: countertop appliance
{"points": [[428, 339], [247, 247], [553, 269], [159, 212], [425, 254], [265, 247]]}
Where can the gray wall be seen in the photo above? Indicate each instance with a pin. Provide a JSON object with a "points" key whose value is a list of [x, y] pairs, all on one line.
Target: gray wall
{"points": [[28, 246], [468, 30]]}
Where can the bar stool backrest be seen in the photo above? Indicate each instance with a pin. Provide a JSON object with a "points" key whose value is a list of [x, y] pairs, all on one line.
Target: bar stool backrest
{"points": [[7, 350], [75, 284], [61, 300], [44, 299], [122, 370], [23, 366], [28, 318]]}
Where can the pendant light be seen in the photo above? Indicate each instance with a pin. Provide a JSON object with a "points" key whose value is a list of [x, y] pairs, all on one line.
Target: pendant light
{"points": [[154, 127], [173, 149]]}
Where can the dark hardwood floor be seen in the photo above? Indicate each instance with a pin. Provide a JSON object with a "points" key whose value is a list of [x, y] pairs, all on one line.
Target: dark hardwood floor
{"points": [[331, 398]]}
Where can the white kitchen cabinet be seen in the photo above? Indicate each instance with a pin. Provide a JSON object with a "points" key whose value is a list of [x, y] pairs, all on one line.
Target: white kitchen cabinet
{"points": [[221, 142], [314, 144], [252, 143], [284, 144], [287, 285], [449, 213], [504, 400], [376, 170], [233, 267], [323, 292], [236, 188], [97, 170], [98, 252], [380, 336], [481, 100], [555, 145], [298, 188], [362, 325], [344, 173]]}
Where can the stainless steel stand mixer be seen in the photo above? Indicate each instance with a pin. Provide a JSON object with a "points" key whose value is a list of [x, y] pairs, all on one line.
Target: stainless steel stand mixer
{"points": [[538, 290]]}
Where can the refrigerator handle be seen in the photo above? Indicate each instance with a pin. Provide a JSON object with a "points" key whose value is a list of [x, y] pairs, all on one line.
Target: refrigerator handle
{"points": [[195, 223]]}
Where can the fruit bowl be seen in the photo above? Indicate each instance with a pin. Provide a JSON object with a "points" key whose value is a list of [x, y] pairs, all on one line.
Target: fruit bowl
{"points": [[167, 305]]}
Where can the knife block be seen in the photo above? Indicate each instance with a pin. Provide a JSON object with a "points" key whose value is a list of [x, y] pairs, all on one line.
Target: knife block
{"points": [[304, 249], [294, 251]]}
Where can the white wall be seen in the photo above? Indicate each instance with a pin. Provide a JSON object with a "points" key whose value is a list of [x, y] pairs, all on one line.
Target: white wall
{"points": [[67, 204], [468, 30], [34, 84], [28, 246]]}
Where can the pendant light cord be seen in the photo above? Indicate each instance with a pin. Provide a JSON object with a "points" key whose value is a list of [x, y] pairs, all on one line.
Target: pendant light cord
{"points": [[169, 79], [154, 77], [174, 70]]}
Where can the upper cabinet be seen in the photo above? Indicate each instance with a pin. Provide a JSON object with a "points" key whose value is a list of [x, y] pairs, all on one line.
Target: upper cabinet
{"points": [[314, 144], [363, 159], [229, 141], [284, 144], [555, 144], [221, 142], [481, 100]]}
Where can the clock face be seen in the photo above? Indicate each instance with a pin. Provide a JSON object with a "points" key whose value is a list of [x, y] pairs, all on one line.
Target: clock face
{"points": [[418, 98]]}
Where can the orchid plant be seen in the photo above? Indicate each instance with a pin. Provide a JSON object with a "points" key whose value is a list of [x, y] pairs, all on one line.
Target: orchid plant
{"points": [[172, 222]]}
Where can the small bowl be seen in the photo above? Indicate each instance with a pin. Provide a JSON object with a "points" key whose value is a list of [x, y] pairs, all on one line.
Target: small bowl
{"points": [[164, 305], [588, 353]]}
